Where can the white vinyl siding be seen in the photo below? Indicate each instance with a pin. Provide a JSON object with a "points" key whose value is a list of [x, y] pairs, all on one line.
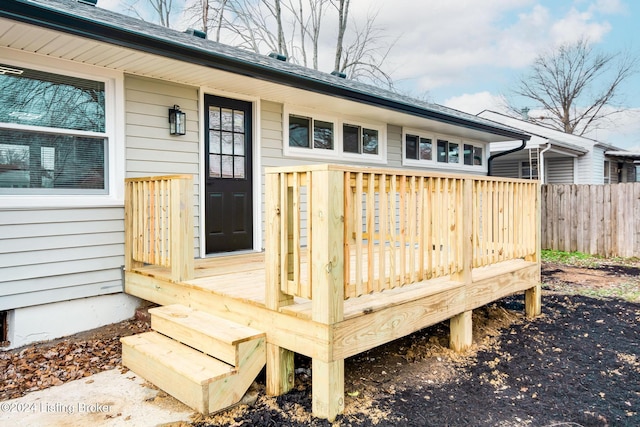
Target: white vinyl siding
{"points": [[559, 171], [394, 146], [150, 150], [52, 255], [597, 170], [506, 167]]}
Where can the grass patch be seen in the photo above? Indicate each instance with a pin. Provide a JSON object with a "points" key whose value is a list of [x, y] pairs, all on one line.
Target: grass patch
{"points": [[571, 258], [581, 259], [627, 291]]}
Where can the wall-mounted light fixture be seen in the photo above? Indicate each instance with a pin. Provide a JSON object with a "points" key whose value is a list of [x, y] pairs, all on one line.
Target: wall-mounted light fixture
{"points": [[177, 121]]}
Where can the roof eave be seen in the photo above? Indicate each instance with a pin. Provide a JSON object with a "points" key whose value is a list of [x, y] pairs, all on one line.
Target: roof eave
{"points": [[39, 15]]}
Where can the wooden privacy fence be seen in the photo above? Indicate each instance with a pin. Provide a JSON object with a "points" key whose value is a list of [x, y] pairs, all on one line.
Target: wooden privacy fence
{"points": [[595, 219], [159, 223], [386, 228]]}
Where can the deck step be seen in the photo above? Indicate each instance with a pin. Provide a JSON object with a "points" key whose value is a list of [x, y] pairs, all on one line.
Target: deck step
{"points": [[181, 371], [213, 335], [204, 361]]}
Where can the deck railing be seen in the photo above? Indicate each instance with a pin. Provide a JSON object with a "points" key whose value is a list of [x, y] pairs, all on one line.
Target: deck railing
{"points": [[367, 230], [159, 223]]}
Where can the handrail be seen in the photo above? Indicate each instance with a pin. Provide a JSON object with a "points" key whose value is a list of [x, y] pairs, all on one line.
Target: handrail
{"points": [[159, 224], [397, 226]]}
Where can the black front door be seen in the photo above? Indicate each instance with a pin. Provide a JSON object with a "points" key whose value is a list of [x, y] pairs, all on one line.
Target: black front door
{"points": [[228, 208]]}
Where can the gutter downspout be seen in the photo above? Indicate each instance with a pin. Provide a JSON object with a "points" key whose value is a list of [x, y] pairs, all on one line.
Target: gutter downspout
{"points": [[541, 164], [504, 153]]}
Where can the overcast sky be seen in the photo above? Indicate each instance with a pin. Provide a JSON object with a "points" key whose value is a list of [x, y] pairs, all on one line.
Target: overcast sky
{"points": [[466, 53]]}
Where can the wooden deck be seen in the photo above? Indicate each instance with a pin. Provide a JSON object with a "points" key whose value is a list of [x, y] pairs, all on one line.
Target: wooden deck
{"points": [[360, 259], [241, 279]]}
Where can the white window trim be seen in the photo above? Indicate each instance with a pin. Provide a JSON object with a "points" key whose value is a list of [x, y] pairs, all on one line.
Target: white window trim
{"points": [[433, 163], [114, 133], [337, 153]]}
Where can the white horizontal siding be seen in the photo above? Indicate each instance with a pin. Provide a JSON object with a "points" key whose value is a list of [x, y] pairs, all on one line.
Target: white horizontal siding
{"points": [[394, 146], [150, 150], [506, 167], [46, 296], [50, 255], [559, 171]]}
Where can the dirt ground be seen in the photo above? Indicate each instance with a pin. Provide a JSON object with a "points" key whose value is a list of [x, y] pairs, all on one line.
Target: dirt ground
{"points": [[576, 365]]}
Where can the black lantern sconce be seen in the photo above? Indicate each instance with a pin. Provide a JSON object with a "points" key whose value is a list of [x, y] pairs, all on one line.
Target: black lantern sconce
{"points": [[177, 121]]}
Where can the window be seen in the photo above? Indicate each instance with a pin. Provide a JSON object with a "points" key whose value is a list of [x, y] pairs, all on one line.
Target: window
{"points": [[417, 147], [607, 172], [448, 152], [529, 169], [359, 140], [472, 155], [323, 135], [426, 150], [300, 134], [226, 143], [52, 133], [454, 153], [331, 138], [443, 152]]}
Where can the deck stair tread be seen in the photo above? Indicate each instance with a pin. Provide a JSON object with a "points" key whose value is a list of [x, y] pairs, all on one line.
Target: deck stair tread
{"points": [[184, 360], [205, 361], [210, 334]]}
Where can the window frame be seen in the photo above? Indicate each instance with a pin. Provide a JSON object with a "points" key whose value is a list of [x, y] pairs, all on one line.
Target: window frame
{"points": [[113, 135], [525, 164], [337, 153], [433, 163]]}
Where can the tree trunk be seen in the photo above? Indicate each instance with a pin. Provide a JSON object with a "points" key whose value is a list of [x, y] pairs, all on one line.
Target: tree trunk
{"points": [[343, 14]]}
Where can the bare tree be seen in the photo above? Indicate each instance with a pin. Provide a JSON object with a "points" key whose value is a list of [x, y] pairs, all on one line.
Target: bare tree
{"points": [[576, 86], [343, 19], [295, 28], [162, 10], [364, 58]]}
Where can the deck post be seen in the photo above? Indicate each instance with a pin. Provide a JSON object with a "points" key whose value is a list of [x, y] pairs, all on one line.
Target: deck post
{"points": [[461, 331], [461, 326], [327, 276], [182, 257], [280, 365], [533, 296]]}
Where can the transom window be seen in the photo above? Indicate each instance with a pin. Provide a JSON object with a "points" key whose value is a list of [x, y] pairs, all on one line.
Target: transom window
{"points": [[427, 150], [327, 137], [52, 133]]}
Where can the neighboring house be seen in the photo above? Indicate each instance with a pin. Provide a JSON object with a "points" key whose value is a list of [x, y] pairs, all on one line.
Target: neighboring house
{"points": [[85, 95], [556, 157]]}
